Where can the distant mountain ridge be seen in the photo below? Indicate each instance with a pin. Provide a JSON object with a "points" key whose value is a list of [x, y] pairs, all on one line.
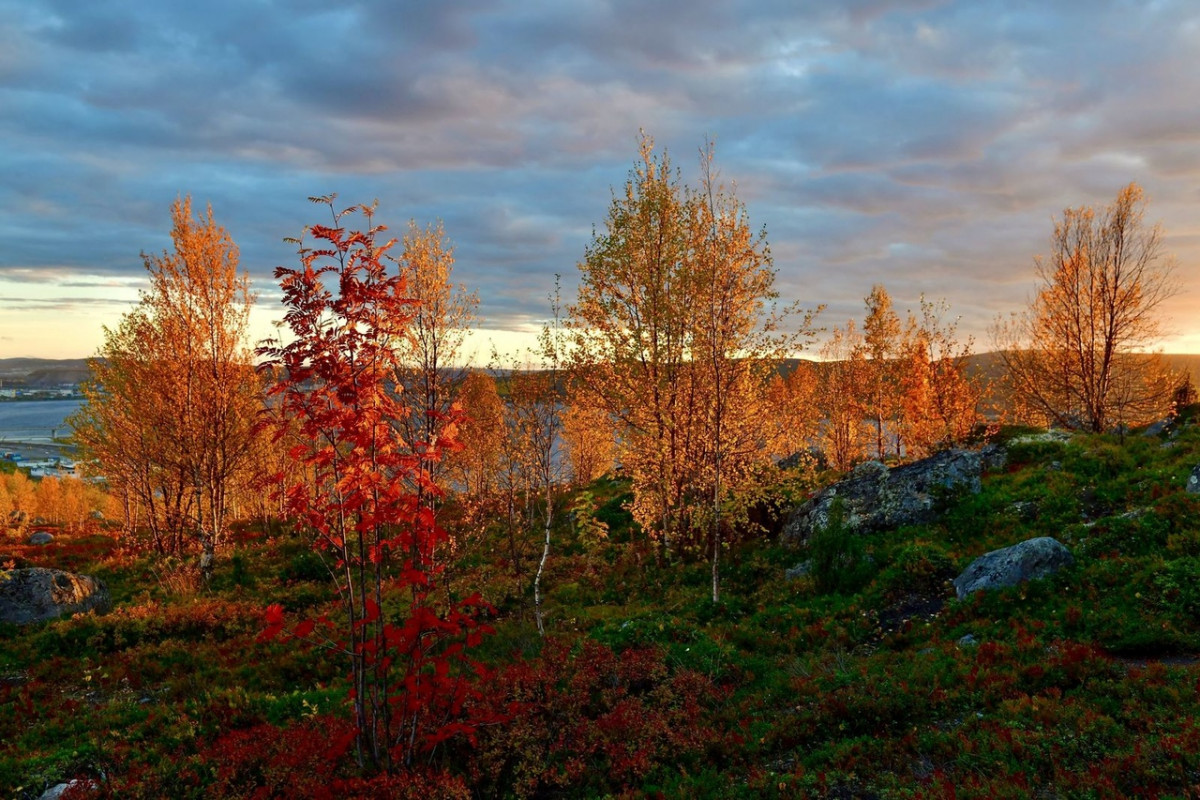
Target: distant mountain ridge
{"points": [[38, 373], [41, 373]]}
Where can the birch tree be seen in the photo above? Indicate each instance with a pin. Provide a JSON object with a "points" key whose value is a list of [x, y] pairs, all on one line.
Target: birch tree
{"points": [[1069, 355], [674, 335], [170, 407]]}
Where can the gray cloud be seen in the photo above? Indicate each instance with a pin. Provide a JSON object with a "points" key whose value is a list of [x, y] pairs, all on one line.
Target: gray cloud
{"points": [[923, 144]]}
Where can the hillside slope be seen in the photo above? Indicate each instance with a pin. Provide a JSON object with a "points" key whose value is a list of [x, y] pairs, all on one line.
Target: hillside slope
{"points": [[858, 675]]}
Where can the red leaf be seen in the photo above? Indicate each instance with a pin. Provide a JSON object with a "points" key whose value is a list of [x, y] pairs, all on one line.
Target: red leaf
{"points": [[269, 633]]}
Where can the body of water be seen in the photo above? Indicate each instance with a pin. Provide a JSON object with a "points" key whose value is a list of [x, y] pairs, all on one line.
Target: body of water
{"points": [[35, 420]]}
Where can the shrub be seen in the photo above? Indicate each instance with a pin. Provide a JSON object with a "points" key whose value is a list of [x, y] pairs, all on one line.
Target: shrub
{"points": [[593, 722], [919, 567], [839, 560]]}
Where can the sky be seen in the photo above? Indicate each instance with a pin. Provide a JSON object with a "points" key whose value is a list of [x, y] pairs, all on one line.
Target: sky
{"points": [[924, 145]]}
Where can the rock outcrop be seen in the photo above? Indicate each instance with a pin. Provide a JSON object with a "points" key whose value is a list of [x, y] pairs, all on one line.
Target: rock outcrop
{"points": [[56, 792], [1009, 566], [1193, 481], [36, 594], [875, 497], [41, 537]]}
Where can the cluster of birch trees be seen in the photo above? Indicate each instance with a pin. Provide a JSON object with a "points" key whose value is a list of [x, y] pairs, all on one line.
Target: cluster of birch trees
{"points": [[672, 364], [883, 389]]}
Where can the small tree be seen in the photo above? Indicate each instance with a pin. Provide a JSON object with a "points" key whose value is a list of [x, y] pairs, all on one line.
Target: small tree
{"points": [[169, 411], [675, 338], [588, 436], [881, 344], [793, 410], [429, 354], [1071, 353], [940, 398], [481, 434], [843, 378], [633, 323], [366, 499], [532, 450]]}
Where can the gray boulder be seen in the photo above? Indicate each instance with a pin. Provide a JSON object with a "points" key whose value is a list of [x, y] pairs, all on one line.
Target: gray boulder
{"points": [[36, 594], [875, 497], [1157, 428], [1027, 561], [812, 457], [801, 570], [1025, 510], [56, 792], [1193, 481], [41, 537]]}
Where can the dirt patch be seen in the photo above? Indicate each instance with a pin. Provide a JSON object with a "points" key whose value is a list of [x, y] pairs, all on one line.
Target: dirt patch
{"points": [[900, 616]]}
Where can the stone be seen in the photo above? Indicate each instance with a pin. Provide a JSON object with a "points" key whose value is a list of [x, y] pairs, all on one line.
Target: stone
{"points": [[1193, 481], [994, 457], [57, 791], [1157, 428], [813, 457], [799, 571], [968, 641], [1025, 510], [876, 498], [41, 537], [36, 594], [1009, 566]]}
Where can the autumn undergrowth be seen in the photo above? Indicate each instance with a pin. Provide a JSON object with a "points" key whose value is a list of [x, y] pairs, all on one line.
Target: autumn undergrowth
{"points": [[871, 683]]}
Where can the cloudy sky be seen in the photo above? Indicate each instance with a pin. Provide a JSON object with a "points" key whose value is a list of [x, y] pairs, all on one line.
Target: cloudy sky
{"points": [[925, 145]]}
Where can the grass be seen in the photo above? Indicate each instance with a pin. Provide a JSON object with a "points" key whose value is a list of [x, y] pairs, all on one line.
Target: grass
{"points": [[866, 678]]}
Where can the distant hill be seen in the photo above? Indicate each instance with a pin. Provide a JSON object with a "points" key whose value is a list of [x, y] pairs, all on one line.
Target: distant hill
{"points": [[1191, 363], [40, 373], [36, 373], [991, 367]]}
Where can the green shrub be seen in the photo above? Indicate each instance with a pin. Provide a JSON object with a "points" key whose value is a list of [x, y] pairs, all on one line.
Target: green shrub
{"points": [[1130, 534], [840, 563], [1034, 451], [1178, 586], [919, 567], [305, 566]]}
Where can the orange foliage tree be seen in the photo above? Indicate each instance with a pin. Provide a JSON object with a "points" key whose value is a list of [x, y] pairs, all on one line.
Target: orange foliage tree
{"points": [[430, 351], [940, 397], [842, 399], [19, 495], [881, 345], [169, 412], [481, 433], [588, 435], [792, 410], [1074, 356], [674, 341]]}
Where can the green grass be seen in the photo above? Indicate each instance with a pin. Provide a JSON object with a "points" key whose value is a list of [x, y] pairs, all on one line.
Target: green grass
{"points": [[854, 681]]}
